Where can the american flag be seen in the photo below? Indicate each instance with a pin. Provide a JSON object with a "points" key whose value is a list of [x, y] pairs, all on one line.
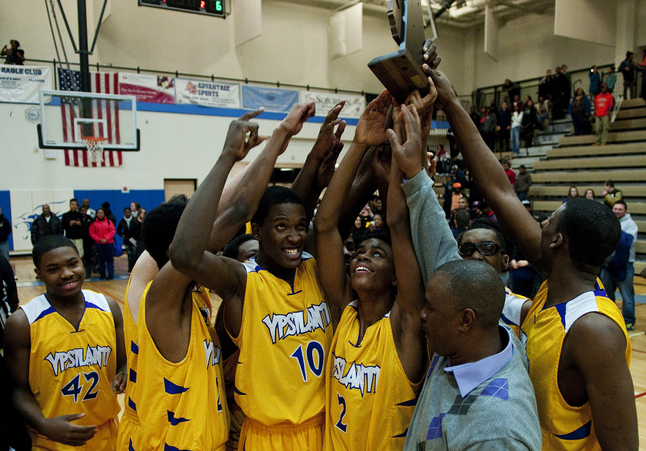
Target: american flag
{"points": [[102, 82]]}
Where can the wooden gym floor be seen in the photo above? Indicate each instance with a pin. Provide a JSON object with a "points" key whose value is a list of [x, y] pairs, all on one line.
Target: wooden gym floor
{"points": [[29, 287]]}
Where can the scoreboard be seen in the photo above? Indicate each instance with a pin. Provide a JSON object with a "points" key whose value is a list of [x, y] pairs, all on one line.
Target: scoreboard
{"points": [[207, 7]]}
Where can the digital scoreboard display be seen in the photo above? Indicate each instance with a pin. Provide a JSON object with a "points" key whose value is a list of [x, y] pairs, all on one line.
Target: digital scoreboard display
{"points": [[207, 7]]}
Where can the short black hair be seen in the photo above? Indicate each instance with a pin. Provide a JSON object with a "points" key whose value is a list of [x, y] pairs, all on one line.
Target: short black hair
{"points": [[274, 195], [380, 235], [592, 232], [127, 208], [48, 243], [462, 218], [629, 54], [159, 227], [621, 202], [74, 199], [610, 183], [231, 249], [476, 285]]}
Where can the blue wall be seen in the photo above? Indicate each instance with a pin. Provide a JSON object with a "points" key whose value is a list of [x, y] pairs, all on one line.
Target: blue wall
{"points": [[5, 205]]}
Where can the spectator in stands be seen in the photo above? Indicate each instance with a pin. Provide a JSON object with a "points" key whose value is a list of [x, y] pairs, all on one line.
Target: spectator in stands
{"points": [[475, 117], [134, 208], [14, 54], [567, 84], [452, 195], [73, 226], [135, 231], [589, 194], [546, 86], [516, 124], [595, 81], [88, 243], [102, 231], [611, 194], [442, 160], [603, 104], [45, 224], [619, 272], [512, 89], [529, 122], [517, 101], [543, 108], [572, 193], [488, 127], [523, 182], [90, 211], [559, 95], [628, 69], [580, 111], [5, 231], [511, 175], [461, 221], [611, 79], [504, 127], [108, 213], [642, 67], [123, 230]]}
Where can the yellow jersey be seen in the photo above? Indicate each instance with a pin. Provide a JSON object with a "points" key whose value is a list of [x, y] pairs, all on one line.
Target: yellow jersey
{"points": [[564, 427], [284, 340], [182, 405], [129, 433], [370, 400], [71, 369]]}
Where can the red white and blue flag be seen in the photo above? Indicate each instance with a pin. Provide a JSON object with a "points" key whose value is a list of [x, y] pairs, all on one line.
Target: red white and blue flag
{"points": [[104, 83]]}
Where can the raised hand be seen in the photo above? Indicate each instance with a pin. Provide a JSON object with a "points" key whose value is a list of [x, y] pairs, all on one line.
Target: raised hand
{"points": [[409, 154], [298, 114], [380, 163], [328, 140], [237, 141], [119, 382], [370, 129], [431, 58], [61, 429], [445, 92]]}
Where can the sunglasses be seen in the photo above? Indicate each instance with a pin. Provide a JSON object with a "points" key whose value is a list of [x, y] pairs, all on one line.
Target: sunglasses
{"points": [[466, 249]]}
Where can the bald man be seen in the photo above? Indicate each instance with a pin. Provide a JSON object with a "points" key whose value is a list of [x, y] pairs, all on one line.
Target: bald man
{"points": [[478, 374]]}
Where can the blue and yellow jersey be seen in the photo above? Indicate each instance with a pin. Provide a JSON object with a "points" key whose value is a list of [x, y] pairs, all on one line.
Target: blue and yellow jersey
{"points": [[284, 340], [71, 369], [182, 405], [564, 427], [511, 313], [370, 400]]}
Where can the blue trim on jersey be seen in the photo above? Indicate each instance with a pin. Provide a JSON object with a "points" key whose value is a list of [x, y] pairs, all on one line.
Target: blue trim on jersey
{"points": [[167, 447], [173, 420], [598, 291], [561, 308], [130, 448], [90, 305], [173, 389], [412, 402], [582, 432], [44, 313], [507, 320], [293, 292], [132, 404], [235, 389], [134, 348], [133, 376], [403, 434]]}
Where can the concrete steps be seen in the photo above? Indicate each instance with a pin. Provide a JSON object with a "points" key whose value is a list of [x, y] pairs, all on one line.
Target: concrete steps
{"points": [[613, 137]]}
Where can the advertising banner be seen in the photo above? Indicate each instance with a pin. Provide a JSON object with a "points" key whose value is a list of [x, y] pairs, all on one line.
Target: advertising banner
{"points": [[207, 93], [277, 100], [21, 83], [147, 88], [325, 101]]}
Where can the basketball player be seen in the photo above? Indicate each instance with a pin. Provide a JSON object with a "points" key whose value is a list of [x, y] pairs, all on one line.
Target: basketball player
{"points": [[378, 353], [577, 344], [66, 353], [278, 382]]}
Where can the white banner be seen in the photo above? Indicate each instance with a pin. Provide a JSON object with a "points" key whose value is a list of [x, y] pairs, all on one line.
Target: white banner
{"points": [[147, 88], [325, 101], [207, 93], [22, 83]]}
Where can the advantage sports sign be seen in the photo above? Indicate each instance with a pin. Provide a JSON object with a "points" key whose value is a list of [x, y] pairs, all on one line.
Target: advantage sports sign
{"points": [[207, 93]]}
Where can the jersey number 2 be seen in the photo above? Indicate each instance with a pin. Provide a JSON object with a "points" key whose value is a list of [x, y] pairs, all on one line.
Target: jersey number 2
{"points": [[339, 424], [315, 366], [74, 387]]}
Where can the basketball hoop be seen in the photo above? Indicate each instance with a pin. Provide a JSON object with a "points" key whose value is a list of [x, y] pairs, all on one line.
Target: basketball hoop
{"points": [[95, 146]]}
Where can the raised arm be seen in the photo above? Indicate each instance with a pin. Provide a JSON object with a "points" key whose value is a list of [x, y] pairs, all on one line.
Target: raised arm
{"points": [[488, 173], [188, 252], [405, 318], [329, 242], [17, 351]]}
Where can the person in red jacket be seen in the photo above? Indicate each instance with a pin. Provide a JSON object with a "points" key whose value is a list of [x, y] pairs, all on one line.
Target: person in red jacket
{"points": [[102, 232], [603, 104]]}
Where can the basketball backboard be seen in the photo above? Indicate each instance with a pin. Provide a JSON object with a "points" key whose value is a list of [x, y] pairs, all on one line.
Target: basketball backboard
{"points": [[68, 116]]}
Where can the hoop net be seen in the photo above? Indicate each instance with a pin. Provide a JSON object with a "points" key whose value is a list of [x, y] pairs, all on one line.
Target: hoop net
{"points": [[95, 146]]}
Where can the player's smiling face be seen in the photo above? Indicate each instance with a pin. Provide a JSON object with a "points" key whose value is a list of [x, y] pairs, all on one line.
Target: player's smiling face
{"points": [[62, 272], [282, 236], [372, 265]]}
